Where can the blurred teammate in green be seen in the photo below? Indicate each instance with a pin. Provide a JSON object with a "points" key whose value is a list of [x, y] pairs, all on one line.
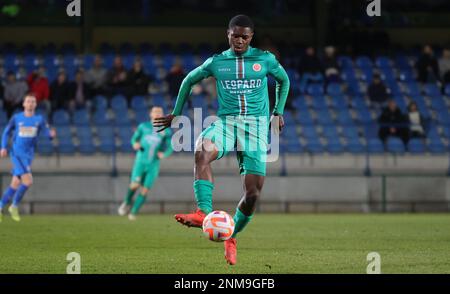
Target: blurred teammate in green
{"points": [[150, 147]]}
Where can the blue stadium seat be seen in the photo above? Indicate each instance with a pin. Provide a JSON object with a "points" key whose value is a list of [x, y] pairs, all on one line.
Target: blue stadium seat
{"points": [[383, 62], [100, 118], [431, 90], [138, 103], [319, 102], [395, 145], [315, 89], [354, 145], [141, 116], [309, 132], [86, 146], [416, 146], [84, 132], [45, 146], [334, 146], [345, 61], [436, 146], [60, 118], [122, 118], [364, 116], [100, 103], [334, 89], [107, 145], [314, 146], [438, 103], [105, 132], [443, 117], [338, 102], [364, 62], [119, 102], [158, 100], [66, 147], [330, 132], [324, 117], [304, 118], [350, 132], [292, 146], [375, 146], [80, 117], [300, 103], [63, 132], [344, 117]]}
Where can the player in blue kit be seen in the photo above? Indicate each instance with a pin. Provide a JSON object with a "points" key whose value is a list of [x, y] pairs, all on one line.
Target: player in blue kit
{"points": [[25, 128]]}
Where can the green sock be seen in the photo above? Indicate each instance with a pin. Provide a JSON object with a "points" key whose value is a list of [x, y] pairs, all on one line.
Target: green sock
{"points": [[240, 221], [203, 190], [140, 200], [129, 196]]}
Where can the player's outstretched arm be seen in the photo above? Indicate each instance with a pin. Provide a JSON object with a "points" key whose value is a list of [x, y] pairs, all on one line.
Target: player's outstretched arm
{"points": [[5, 136], [195, 76]]}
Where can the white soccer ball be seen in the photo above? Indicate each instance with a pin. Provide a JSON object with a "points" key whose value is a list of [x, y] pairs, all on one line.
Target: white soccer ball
{"points": [[218, 226]]}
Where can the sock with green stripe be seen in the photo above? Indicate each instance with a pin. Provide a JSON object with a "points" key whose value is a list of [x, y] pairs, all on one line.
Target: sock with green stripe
{"points": [[240, 221], [140, 200], [203, 190], [129, 196]]}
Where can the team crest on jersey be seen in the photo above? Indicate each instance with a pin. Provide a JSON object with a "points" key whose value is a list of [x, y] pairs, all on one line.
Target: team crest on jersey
{"points": [[257, 67]]}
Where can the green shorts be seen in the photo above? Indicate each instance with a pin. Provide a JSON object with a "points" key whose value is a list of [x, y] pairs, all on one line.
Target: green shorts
{"points": [[145, 174], [247, 136]]}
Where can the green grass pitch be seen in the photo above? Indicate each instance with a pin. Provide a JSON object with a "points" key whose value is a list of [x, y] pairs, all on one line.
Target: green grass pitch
{"points": [[272, 243]]}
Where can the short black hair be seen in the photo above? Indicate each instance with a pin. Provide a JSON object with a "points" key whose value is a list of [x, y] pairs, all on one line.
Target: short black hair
{"points": [[241, 20]]}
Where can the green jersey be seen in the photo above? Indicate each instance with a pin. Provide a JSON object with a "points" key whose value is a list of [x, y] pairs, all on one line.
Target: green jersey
{"points": [[241, 82], [151, 142]]}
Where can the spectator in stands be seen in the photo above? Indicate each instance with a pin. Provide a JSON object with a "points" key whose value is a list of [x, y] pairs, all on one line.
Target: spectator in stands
{"points": [[80, 92], [330, 65], [96, 77], [38, 85], [60, 92], [138, 80], [444, 66], [415, 122], [117, 77], [14, 92], [427, 66], [393, 123], [174, 79], [377, 91], [310, 69]]}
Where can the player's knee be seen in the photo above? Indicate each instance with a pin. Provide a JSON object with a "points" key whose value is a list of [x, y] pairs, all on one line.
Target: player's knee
{"points": [[252, 194], [202, 158], [144, 191], [27, 182], [15, 182], [134, 186]]}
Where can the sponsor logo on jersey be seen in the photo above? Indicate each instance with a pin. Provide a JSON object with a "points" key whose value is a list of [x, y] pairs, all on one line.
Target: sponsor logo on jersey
{"points": [[224, 69], [241, 84], [257, 67], [27, 132]]}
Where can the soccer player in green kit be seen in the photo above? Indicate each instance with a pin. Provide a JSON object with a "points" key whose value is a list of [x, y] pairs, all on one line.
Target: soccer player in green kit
{"points": [[241, 81], [151, 147]]}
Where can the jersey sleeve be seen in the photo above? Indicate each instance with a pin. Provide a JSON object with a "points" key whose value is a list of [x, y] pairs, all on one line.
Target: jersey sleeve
{"points": [[7, 131], [282, 83], [137, 135], [195, 76]]}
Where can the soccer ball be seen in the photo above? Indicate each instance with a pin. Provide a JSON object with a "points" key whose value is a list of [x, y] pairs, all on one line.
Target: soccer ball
{"points": [[218, 226]]}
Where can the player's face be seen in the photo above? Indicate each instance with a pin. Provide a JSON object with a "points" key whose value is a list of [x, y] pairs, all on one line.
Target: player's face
{"points": [[156, 112], [29, 104], [239, 38]]}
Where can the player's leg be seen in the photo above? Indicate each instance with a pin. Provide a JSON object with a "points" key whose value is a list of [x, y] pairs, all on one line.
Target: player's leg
{"points": [[137, 174], [124, 208], [26, 182], [211, 145], [148, 180], [9, 193], [203, 184], [253, 184]]}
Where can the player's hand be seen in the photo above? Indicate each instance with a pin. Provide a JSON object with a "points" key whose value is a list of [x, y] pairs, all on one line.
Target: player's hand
{"points": [[52, 133], [160, 155], [137, 146], [3, 153], [163, 122]]}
